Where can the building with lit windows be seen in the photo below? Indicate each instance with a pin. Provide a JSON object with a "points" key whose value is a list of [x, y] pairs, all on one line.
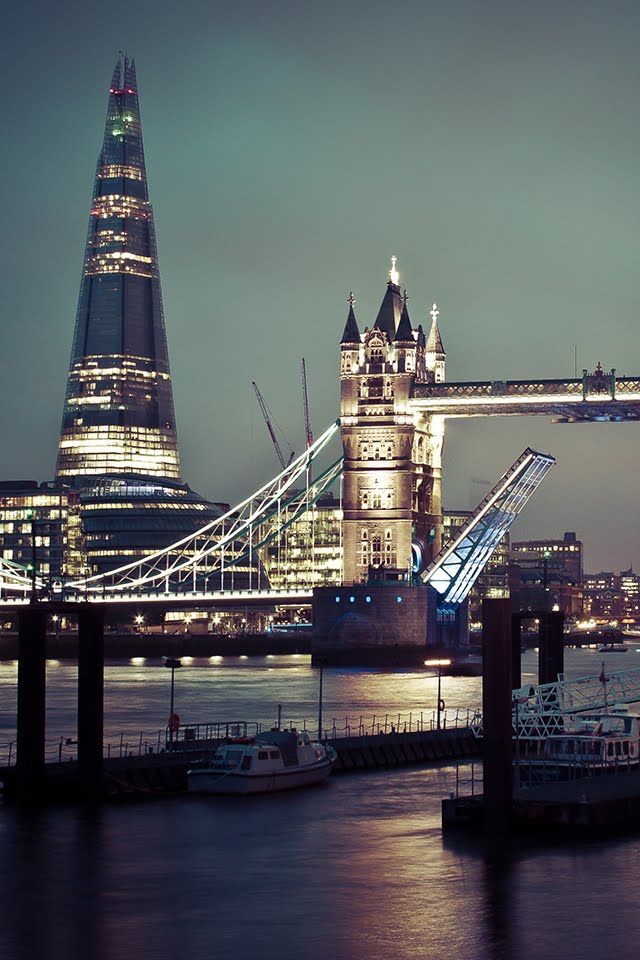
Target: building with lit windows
{"points": [[629, 596], [118, 412], [611, 596], [124, 519], [41, 523], [546, 573], [309, 551]]}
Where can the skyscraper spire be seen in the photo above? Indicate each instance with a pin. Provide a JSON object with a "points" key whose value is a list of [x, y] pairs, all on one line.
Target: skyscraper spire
{"points": [[118, 414]]}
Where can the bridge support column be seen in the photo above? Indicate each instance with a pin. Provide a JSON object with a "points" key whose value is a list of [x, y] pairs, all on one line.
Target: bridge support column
{"points": [[551, 647], [496, 714], [32, 624], [90, 697]]}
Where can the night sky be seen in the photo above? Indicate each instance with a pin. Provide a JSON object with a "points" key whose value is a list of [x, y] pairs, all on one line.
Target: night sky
{"points": [[291, 149]]}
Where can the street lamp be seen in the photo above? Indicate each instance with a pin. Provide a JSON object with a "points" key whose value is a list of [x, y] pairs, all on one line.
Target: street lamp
{"points": [[439, 664], [172, 663], [546, 555]]}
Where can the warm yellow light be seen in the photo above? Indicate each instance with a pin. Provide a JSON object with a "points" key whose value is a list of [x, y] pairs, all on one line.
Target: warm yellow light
{"points": [[437, 663], [394, 276]]}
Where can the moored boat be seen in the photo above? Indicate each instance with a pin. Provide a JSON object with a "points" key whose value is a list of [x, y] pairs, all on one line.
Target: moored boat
{"points": [[266, 763]]}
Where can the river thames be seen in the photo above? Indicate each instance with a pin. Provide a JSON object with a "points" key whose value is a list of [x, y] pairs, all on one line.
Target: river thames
{"points": [[355, 868]]}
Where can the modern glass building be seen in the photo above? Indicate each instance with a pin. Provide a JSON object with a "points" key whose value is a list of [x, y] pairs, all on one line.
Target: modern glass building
{"points": [[118, 413], [41, 523]]}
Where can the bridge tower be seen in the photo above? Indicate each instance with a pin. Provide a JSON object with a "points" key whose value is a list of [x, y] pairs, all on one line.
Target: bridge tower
{"points": [[392, 455]]}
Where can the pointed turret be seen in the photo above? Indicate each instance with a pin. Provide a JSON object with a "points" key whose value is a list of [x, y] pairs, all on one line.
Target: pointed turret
{"points": [[118, 414], [434, 350], [434, 340], [404, 333], [391, 307], [351, 333]]}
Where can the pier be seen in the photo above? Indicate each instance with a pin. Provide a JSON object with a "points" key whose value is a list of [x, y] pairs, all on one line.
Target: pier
{"points": [[142, 771]]}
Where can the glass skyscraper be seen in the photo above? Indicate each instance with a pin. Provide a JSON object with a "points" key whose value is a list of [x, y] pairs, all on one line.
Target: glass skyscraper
{"points": [[118, 413]]}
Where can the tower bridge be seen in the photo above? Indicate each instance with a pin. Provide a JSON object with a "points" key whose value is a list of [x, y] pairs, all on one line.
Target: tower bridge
{"points": [[593, 397], [394, 404]]}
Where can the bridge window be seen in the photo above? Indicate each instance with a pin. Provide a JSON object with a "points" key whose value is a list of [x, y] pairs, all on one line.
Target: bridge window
{"points": [[388, 534], [352, 599], [388, 389], [376, 451], [375, 388], [364, 500], [364, 451], [389, 451], [389, 499], [337, 599], [377, 500], [398, 599]]}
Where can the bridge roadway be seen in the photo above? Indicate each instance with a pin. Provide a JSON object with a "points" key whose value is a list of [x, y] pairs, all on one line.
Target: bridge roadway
{"points": [[599, 396], [221, 599]]}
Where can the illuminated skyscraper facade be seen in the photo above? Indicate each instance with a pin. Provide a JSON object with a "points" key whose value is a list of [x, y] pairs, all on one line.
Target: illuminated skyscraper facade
{"points": [[118, 413]]}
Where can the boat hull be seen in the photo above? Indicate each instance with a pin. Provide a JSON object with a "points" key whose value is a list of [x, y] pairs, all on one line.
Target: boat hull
{"points": [[235, 782]]}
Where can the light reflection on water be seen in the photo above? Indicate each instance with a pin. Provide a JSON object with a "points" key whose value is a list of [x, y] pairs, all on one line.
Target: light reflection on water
{"points": [[232, 688], [356, 868]]}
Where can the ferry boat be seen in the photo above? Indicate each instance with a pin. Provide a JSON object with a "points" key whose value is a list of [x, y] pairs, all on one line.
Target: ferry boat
{"points": [[596, 739], [268, 762]]}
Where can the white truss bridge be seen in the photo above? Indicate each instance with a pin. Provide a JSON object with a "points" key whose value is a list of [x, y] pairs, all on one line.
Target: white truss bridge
{"points": [[204, 566], [540, 710], [205, 563]]}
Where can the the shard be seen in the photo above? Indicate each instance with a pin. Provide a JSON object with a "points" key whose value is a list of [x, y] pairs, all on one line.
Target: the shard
{"points": [[118, 414]]}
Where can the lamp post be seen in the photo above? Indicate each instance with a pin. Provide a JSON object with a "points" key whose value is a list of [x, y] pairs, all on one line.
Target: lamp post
{"points": [[172, 663], [546, 555], [441, 705]]}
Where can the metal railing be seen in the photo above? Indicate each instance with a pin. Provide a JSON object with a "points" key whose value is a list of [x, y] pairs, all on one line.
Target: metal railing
{"points": [[473, 782], [414, 722], [529, 774], [196, 736]]}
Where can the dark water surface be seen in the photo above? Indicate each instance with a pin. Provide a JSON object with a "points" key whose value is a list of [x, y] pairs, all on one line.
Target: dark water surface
{"points": [[356, 868]]}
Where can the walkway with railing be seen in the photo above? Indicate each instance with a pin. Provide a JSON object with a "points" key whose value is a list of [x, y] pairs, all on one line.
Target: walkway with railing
{"points": [[195, 736]]}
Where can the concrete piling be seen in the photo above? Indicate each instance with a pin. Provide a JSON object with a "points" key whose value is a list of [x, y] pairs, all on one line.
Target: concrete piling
{"points": [[31, 703], [496, 713], [90, 696]]}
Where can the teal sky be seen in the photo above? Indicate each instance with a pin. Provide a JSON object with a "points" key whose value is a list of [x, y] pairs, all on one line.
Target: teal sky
{"points": [[291, 149]]}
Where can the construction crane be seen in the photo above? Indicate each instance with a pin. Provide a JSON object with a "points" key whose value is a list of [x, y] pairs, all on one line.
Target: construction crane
{"points": [[305, 400], [270, 420]]}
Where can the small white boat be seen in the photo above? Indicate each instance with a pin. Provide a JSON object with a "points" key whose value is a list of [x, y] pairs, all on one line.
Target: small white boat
{"points": [[277, 760]]}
